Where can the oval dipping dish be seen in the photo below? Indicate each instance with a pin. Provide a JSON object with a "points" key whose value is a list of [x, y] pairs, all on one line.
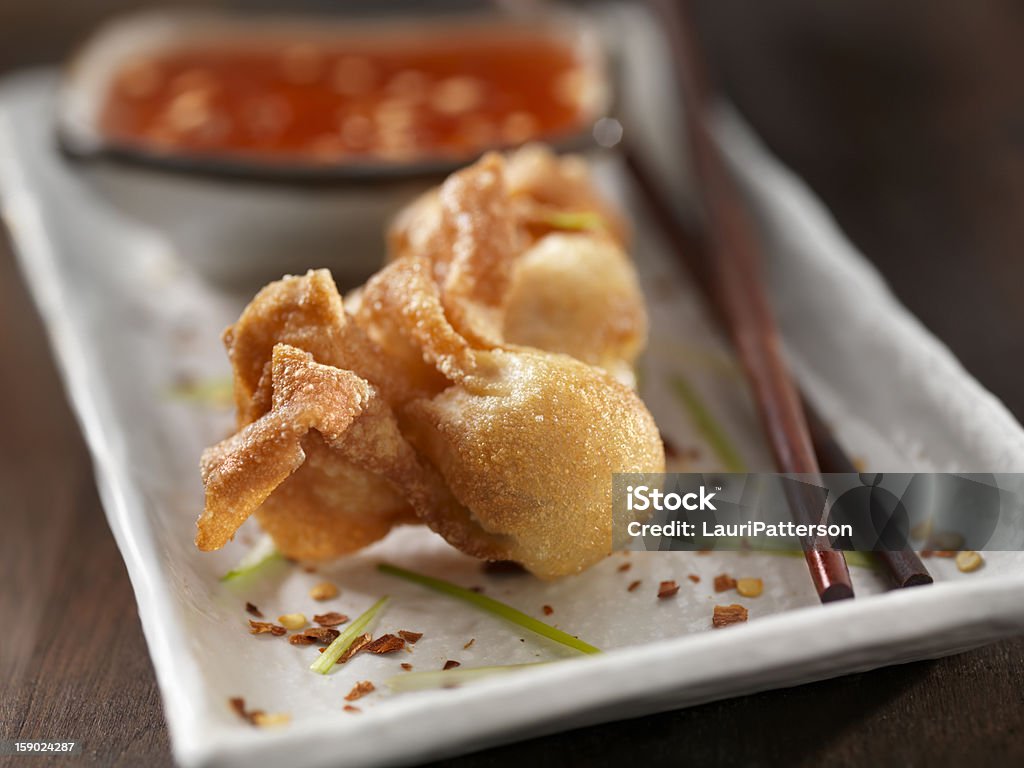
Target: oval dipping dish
{"points": [[261, 143]]}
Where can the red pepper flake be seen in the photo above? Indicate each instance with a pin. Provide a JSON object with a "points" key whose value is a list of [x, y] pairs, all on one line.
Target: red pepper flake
{"points": [[359, 690], [632, 587], [451, 664], [724, 582], [324, 635], [724, 615], [385, 644], [625, 567], [694, 578], [301, 639], [253, 610], [548, 610], [353, 710], [331, 619], [407, 667], [357, 645], [410, 637], [265, 627], [238, 705], [667, 589], [469, 645], [256, 716]]}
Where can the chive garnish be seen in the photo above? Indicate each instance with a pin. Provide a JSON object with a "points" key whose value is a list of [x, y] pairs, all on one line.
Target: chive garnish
{"points": [[706, 424], [263, 552], [214, 392], [492, 606], [326, 660], [575, 220]]}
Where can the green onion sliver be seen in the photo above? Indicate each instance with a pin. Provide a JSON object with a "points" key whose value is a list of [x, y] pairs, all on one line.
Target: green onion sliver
{"points": [[707, 425], [575, 220], [326, 660], [263, 551], [216, 393], [492, 606], [449, 678]]}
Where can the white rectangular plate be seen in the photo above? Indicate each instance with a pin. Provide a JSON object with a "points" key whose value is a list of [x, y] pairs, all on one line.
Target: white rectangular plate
{"points": [[129, 321]]}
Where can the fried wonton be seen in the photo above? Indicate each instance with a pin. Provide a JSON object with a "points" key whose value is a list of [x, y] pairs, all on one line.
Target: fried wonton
{"points": [[525, 251], [473, 384], [512, 460]]}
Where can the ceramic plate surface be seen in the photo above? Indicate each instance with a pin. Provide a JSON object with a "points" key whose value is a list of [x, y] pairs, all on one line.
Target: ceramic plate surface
{"points": [[136, 333]]}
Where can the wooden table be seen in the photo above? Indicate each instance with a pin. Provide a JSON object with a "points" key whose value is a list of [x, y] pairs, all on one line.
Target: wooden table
{"points": [[907, 118]]}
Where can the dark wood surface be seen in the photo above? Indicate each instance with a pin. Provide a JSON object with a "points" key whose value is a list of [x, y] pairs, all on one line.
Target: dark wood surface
{"points": [[906, 117]]}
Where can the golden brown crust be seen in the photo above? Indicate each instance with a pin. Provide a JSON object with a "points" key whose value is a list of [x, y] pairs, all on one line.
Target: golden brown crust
{"points": [[468, 235], [579, 295], [329, 507], [507, 274], [402, 308], [531, 451], [323, 410], [307, 313], [518, 434], [483, 250], [540, 183], [421, 405]]}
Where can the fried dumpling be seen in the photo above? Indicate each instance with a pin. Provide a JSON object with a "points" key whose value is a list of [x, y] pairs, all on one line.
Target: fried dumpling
{"points": [[321, 465], [328, 506], [578, 295], [526, 440], [474, 383], [509, 272]]}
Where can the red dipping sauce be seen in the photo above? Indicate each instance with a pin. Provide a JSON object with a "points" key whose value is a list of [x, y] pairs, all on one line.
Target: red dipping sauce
{"points": [[386, 99]]}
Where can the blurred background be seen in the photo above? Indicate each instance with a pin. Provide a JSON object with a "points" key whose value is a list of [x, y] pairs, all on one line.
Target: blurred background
{"points": [[906, 117]]}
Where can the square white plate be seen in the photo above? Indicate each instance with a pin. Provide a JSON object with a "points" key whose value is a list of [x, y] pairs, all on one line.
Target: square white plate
{"points": [[129, 322]]}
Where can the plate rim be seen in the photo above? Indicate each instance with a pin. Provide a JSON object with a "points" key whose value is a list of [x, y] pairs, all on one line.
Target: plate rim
{"points": [[181, 684]]}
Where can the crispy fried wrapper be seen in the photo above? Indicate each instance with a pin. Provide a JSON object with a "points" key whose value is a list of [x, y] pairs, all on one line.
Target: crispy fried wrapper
{"points": [[515, 265], [476, 385], [310, 448], [526, 440]]}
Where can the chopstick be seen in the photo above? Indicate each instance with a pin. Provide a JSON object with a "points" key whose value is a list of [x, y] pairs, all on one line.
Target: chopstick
{"points": [[905, 567], [735, 272]]}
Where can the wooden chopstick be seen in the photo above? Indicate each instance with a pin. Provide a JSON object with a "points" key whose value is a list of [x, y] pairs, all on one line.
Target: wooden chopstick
{"points": [[905, 567], [735, 272]]}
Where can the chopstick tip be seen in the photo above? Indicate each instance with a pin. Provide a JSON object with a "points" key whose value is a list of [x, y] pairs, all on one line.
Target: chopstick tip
{"points": [[835, 592]]}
